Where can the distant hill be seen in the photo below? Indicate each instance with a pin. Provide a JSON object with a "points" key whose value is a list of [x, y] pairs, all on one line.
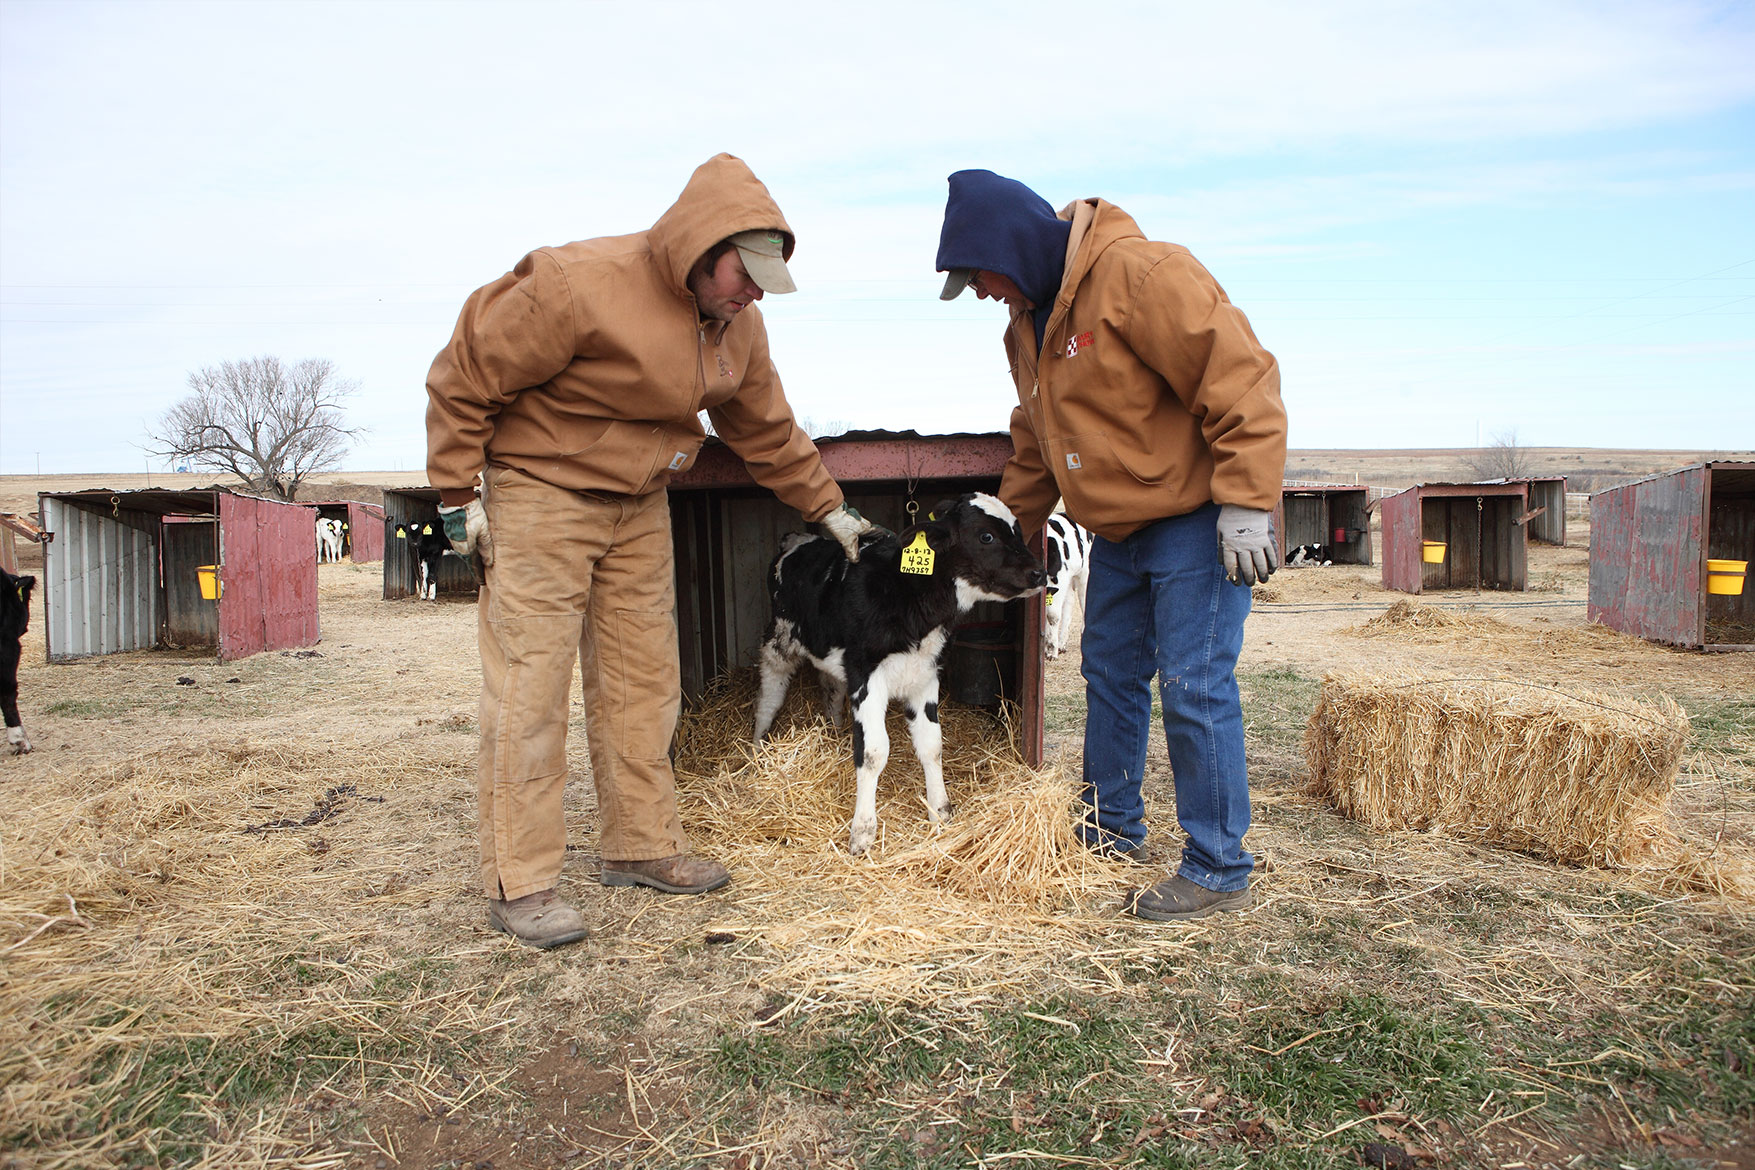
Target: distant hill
{"points": [[1587, 469]]}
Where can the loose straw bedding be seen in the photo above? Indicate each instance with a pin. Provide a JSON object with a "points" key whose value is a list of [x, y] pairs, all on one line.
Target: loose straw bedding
{"points": [[985, 900]]}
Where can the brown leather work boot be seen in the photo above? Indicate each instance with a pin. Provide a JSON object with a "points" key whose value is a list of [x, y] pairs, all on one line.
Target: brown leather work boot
{"points": [[1176, 898], [680, 873], [537, 920]]}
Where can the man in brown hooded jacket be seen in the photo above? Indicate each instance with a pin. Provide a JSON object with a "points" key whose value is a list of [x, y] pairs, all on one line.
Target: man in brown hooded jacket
{"points": [[572, 387], [1147, 404]]}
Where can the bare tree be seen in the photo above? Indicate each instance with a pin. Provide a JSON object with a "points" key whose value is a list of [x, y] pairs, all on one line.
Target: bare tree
{"points": [[1501, 459], [268, 424]]}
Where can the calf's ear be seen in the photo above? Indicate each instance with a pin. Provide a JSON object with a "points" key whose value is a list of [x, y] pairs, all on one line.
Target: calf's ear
{"points": [[938, 533]]}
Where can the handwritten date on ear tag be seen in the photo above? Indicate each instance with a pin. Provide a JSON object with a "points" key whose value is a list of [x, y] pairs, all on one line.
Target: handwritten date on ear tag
{"points": [[918, 557]]}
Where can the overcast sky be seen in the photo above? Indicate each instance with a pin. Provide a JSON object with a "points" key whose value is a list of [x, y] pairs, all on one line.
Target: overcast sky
{"points": [[1449, 221]]}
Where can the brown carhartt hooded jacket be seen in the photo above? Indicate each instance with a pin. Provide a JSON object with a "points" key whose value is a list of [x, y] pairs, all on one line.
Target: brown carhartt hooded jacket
{"points": [[1151, 395], [587, 364]]}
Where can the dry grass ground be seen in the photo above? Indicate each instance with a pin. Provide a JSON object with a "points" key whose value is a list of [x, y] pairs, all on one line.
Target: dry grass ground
{"points": [[239, 926]]}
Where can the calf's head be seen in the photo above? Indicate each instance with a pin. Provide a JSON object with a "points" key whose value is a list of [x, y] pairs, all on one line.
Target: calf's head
{"points": [[982, 547], [15, 604]]}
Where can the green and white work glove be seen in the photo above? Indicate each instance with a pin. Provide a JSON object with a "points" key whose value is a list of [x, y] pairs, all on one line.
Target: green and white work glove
{"points": [[466, 528], [846, 526], [1246, 544]]}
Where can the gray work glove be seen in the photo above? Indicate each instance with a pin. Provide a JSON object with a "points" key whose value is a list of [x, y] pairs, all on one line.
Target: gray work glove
{"points": [[466, 528], [1246, 544], [846, 526]]}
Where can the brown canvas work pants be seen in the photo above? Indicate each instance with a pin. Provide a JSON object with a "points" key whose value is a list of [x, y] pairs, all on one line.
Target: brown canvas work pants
{"points": [[576, 577]]}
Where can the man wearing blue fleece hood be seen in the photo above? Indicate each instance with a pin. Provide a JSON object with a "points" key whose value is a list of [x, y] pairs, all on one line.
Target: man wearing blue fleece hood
{"points": [[1146, 403]]}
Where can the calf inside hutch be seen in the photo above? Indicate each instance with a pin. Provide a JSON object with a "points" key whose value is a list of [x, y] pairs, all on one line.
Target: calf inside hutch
{"points": [[410, 513], [1333, 525], [725, 538]]}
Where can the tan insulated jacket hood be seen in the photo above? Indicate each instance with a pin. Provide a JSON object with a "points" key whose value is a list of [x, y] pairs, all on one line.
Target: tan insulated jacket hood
{"points": [[1150, 396], [586, 365]]}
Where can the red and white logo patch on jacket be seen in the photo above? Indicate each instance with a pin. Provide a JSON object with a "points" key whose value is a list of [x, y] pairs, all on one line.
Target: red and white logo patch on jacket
{"points": [[1074, 344]]}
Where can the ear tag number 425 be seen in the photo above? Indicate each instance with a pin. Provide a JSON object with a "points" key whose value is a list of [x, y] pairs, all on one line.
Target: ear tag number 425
{"points": [[918, 557]]}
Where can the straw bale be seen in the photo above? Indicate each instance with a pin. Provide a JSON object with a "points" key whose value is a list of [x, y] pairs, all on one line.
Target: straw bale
{"points": [[1578, 778]]}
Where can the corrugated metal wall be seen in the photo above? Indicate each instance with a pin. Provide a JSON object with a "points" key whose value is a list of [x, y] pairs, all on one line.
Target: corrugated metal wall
{"points": [[1549, 495], [365, 532], [101, 580], [268, 577]]}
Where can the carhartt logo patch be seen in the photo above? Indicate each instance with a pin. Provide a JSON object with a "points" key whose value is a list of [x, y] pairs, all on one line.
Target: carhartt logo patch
{"points": [[1072, 461], [678, 460], [1074, 344]]}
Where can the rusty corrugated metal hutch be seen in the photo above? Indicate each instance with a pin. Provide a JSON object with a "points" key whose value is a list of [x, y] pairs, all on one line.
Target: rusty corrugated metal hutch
{"points": [[726, 530], [407, 511], [1649, 544], [1336, 515], [1482, 528], [364, 533], [121, 572]]}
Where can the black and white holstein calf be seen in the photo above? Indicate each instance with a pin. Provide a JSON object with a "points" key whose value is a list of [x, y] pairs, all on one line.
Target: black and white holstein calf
{"points": [[14, 617], [428, 543], [875, 630], [1068, 560]]}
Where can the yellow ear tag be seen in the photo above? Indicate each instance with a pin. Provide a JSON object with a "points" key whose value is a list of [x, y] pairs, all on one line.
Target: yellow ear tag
{"points": [[918, 557], [426, 530]]}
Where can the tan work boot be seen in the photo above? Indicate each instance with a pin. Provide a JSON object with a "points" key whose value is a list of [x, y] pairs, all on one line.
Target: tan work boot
{"points": [[680, 873], [537, 920], [1176, 898]]}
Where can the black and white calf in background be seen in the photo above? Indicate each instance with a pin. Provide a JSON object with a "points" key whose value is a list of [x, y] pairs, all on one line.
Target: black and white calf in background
{"points": [[14, 618], [1068, 561], [328, 540], [875, 630], [1309, 554]]}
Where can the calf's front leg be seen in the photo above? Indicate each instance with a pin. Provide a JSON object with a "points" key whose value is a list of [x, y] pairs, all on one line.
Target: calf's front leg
{"points": [[871, 751], [928, 737]]}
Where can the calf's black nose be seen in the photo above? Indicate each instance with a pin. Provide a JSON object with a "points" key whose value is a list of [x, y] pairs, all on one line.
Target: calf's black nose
{"points": [[1037, 576]]}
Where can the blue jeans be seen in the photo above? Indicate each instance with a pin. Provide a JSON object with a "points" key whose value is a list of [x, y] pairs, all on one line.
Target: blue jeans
{"points": [[1158, 604]]}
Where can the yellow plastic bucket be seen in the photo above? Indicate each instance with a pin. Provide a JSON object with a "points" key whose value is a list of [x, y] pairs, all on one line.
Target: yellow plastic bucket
{"points": [[1726, 577], [208, 575], [1432, 552]]}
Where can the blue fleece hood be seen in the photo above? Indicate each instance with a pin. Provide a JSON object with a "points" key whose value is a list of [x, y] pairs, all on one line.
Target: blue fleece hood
{"points": [[1000, 225]]}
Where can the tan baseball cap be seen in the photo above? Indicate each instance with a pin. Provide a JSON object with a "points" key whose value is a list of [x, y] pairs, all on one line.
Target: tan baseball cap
{"points": [[956, 280], [764, 257]]}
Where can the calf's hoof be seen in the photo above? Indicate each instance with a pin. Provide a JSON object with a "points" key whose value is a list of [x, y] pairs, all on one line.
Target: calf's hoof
{"points": [[861, 838], [15, 737], [941, 815]]}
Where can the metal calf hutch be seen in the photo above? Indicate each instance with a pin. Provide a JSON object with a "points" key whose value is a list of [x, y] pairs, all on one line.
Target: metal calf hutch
{"points": [[365, 527], [1335, 515], [1651, 542], [1456, 536], [135, 570], [726, 530]]}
